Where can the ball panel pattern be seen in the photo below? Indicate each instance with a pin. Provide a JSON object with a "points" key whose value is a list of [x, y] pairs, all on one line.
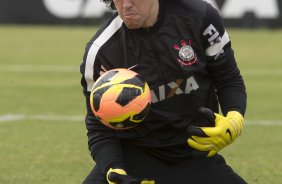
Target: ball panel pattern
{"points": [[127, 95], [120, 99], [97, 96], [107, 77]]}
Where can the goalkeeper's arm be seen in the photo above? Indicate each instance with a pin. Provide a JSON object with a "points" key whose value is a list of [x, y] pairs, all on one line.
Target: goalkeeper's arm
{"points": [[106, 151], [104, 146]]}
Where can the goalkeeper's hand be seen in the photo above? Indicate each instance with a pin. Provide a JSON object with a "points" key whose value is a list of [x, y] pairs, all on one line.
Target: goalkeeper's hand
{"points": [[119, 176], [209, 140]]}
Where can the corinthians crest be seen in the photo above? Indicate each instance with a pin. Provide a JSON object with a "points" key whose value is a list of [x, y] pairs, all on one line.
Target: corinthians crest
{"points": [[187, 56]]}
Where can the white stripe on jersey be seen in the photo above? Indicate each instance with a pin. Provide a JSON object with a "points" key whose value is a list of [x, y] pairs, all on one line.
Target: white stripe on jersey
{"points": [[92, 53], [217, 47]]}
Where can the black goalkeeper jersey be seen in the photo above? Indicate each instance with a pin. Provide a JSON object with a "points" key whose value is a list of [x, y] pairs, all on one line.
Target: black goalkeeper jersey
{"points": [[188, 62]]}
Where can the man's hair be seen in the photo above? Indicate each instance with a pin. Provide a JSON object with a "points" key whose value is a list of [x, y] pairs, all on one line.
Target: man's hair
{"points": [[110, 4]]}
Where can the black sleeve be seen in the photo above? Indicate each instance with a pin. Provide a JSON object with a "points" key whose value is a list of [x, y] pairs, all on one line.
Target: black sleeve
{"points": [[102, 142], [104, 146], [222, 66]]}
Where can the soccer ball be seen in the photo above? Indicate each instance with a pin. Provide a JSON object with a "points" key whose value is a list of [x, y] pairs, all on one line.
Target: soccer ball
{"points": [[120, 99]]}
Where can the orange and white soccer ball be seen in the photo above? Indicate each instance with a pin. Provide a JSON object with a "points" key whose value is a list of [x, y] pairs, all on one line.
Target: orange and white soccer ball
{"points": [[120, 99]]}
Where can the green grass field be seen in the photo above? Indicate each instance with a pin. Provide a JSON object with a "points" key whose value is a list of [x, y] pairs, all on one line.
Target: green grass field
{"points": [[42, 134]]}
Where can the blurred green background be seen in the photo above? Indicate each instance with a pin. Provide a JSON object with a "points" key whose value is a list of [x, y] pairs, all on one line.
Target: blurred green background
{"points": [[42, 132]]}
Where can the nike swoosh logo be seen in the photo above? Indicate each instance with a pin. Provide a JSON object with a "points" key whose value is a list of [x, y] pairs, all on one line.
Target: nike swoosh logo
{"points": [[229, 132]]}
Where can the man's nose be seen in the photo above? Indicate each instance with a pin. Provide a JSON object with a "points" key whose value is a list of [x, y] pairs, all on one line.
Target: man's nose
{"points": [[127, 4]]}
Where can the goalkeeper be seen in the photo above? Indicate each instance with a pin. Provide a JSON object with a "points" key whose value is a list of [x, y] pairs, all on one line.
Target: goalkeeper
{"points": [[181, 48]]}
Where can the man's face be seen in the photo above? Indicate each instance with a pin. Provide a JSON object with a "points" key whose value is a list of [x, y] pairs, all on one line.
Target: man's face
{"points": [[137, 13]]}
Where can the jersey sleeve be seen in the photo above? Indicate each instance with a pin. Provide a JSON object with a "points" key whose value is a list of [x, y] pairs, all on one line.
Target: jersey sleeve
{"points": [[222, 65], [102, 141], [104, 146]]}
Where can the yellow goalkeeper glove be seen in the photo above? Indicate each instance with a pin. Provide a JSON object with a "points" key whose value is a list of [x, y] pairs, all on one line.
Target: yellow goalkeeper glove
{"points": [[210, 140], [119, 176]]}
